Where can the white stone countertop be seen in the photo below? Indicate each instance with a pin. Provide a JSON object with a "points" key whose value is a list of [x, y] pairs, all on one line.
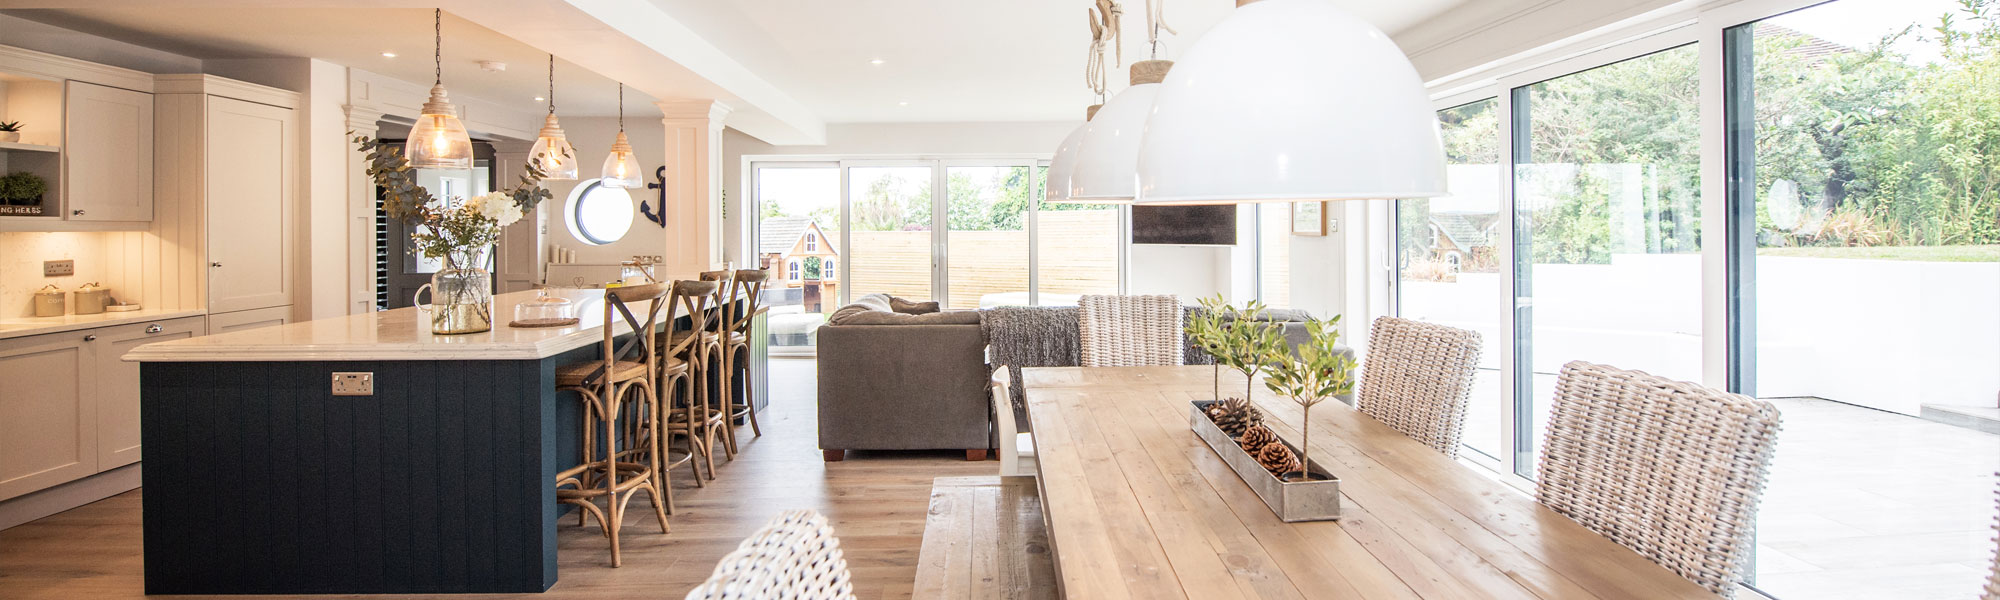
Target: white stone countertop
{"points": [[27, 326], [400, 334]]}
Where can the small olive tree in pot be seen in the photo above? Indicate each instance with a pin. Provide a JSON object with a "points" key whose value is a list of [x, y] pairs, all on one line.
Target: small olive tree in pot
{"points": [[1319, 371]]}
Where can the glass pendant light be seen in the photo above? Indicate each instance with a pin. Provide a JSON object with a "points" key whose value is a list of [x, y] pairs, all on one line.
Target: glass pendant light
{"points": [[552, 152], [439, 140], [1291, 100], [621, 169]]}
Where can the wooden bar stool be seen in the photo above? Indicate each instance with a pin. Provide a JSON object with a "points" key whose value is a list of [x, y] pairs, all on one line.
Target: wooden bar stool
{"points": [[748, 285], [675, 378], [618, 396], [694, 413]]}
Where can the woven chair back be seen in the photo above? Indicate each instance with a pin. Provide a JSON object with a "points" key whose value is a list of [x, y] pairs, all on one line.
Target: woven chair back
{"points": [[1418, 379], [1129, 331], [1672, 470], [1992, 591], [794, 557]]}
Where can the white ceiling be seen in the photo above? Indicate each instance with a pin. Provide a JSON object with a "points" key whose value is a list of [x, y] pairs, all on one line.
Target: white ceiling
{"points": [[794, 63], [357, 37], [954, 60]]}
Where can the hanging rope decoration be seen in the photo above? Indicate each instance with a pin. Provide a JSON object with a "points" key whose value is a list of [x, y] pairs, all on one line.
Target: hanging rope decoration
{"points": [[1104, 30]]}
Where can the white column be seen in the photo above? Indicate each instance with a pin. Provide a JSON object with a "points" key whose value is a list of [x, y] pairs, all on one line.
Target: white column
{"points": [[694, 177], [518, 261], [361, 213]]}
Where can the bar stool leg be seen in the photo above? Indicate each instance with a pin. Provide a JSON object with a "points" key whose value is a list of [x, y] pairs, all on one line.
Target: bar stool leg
{"points": [[749, 392], [660, 481], [726, 378]]}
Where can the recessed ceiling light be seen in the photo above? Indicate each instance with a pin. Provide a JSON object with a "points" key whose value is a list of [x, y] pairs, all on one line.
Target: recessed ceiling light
{"points": [[876, 61], [902, 104], [388, 55], [539, 98]]}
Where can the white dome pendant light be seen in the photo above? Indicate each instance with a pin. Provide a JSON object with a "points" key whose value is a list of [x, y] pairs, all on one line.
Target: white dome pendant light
{"points": [[1064, 162], [621, 169], [552, 152], [439, 140], [1103, 30], [1108, 153], [1286, 101]]}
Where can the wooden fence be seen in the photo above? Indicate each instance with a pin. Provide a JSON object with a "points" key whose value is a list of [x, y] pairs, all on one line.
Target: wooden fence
{"points": [[1078, 254]]}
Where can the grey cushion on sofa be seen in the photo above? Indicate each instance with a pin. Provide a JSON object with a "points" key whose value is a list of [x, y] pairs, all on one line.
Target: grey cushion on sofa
{"points": [[893, 381]]}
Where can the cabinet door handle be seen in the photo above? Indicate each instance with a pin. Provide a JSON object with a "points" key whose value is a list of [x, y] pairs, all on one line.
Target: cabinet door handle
{"points": [[155, 328], [215, 265], [90, 338], [77, 212]]}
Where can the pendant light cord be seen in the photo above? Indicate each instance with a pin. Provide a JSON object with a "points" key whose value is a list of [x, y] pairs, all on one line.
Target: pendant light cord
{"points": [[1156, 20], [437, 48], [621, 107], [552, 84]]}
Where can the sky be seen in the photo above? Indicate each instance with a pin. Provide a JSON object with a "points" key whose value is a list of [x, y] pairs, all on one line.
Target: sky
{"points": [[1861, 23]]}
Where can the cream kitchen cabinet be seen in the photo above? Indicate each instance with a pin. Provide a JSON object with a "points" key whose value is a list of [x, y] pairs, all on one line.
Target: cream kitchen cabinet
{"points": [[71, 407], [107, 153], [232, 148], [48, 426]]}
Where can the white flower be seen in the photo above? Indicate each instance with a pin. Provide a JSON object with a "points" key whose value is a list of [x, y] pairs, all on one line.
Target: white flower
{"points": [[498, 206]]}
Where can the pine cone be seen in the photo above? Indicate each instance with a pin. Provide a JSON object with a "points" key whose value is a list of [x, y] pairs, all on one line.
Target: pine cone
{"points": [[1237, 415], [1255, 438], [1277, 459]]}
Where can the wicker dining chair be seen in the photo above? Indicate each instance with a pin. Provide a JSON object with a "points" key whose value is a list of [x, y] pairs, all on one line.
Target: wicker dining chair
{"points": [[1993, 577], [1418, 379], [794, 557], [1672, 470], [1129, 331]]}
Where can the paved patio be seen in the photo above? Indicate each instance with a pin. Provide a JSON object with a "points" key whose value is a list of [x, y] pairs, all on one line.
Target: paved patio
{"points": [[1869, 504]]}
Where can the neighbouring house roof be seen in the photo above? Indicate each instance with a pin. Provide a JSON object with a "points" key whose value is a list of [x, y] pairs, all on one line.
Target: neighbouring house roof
{"points": [[1814, 48], [1466, 230], [777, 235]]}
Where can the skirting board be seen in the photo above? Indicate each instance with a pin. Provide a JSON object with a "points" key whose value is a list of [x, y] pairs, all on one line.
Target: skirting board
{"points": [[69, 495]]}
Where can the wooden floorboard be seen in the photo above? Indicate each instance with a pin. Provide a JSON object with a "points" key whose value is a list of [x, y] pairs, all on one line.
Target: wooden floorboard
{"points": [[877, 502]]}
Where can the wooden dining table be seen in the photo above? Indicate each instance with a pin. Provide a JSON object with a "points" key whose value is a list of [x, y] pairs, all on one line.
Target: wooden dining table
{"points": [[1138, 507]]}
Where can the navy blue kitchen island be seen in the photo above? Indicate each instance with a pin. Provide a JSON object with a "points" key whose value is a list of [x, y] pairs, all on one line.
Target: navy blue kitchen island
{"points": [[258, 480]]}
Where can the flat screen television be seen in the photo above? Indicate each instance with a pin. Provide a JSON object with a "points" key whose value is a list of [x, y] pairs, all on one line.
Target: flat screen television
{"points": [[1184, 225]]}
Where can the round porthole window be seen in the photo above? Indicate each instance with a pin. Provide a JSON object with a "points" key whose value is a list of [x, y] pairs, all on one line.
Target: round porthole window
{"points": [[599, 214]]}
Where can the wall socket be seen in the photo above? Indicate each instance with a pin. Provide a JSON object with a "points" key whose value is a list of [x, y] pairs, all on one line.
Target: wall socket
{"points": [[58, 268], [353, 384]]}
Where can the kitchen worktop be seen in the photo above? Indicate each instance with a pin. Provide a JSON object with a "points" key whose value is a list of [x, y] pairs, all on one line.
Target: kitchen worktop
{"points": [[27, 326], [399, 334]]}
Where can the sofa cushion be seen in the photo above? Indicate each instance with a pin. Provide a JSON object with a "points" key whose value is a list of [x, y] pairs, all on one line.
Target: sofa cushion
{"points": [[881, 309], [876, 317]]}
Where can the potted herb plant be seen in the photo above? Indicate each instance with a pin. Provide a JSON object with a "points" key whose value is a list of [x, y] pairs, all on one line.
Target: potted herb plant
{"points": [[10, 131], [23, 189], [1319, 371]]}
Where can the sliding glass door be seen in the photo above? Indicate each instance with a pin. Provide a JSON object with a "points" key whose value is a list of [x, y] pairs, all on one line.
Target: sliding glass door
{"points": [[890, 243], [986, 235], [798, 240], [1607, 212], [969, 233], [1448, 262], [1865, 261]]}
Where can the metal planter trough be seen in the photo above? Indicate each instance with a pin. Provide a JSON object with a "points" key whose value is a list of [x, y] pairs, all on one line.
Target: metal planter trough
{"points": [[1292, 501]]}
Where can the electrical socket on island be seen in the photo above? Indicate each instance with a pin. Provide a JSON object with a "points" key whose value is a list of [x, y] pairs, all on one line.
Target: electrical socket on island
{"points": [[354, 383], [58, 268]]}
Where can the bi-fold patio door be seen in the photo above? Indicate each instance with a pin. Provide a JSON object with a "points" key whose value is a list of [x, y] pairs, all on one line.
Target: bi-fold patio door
{"points": [[955, 231]]}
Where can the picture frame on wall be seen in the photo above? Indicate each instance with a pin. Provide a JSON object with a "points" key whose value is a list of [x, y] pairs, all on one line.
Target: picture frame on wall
{"points": [[1309, 218]]}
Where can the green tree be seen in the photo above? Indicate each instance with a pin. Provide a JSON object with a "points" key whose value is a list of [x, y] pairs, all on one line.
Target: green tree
{"points": [[812, 265]]}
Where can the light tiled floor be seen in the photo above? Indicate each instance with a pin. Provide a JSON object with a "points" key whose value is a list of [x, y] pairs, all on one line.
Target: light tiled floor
{"points": [[1869, 504]]}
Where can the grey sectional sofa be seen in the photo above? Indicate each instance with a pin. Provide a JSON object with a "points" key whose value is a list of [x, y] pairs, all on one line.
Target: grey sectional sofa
{"points": [[908, 380]]}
